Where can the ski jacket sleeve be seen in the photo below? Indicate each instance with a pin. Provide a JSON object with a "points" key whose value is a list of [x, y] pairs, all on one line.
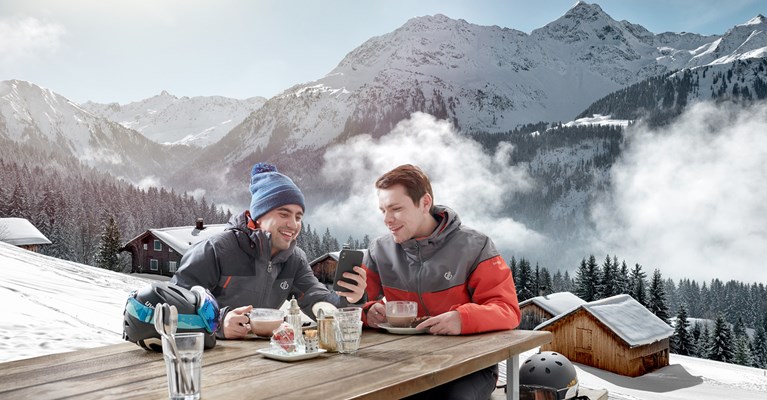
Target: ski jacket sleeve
{"points": [[199, 267], [494, 303]]}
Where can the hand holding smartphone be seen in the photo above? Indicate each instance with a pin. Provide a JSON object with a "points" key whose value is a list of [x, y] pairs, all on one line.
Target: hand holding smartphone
{"points": [[347, 260]]}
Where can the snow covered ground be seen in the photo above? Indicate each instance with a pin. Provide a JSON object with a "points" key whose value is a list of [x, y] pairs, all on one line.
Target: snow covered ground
{"points": [[52, 306]]}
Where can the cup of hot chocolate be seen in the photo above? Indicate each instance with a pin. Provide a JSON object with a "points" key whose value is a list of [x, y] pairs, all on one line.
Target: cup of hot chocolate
{"points": [[263, 321], [401, 313]]}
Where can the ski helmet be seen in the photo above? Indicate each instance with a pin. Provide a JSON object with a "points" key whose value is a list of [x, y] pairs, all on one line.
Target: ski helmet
{"points": [[197, 312], [547, 375]]}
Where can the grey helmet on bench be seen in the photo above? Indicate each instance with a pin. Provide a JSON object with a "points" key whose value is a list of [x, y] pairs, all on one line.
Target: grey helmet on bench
{"points": [[197, 312], [547, 376]]}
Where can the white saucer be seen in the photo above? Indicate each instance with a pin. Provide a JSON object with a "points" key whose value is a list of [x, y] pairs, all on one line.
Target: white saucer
{"points": [[404, 330], [269, 353], [327, 308]]}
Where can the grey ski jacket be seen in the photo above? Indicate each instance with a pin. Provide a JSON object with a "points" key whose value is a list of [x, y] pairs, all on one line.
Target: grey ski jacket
{"points": [[236, 267]]}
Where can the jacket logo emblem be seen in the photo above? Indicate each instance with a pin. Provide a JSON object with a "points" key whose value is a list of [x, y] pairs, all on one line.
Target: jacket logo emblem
{"points": [[284, 285], [448, 275]]}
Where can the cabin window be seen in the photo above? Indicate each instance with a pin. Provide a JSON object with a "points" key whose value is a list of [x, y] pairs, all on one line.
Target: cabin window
{"points": [[153, 265], [157, 245], [583, 339], [145, 246], [172, 266], [170, 249]]}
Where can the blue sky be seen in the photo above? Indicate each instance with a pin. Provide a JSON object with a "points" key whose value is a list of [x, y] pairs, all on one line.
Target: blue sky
{"points": [[125, 51]]}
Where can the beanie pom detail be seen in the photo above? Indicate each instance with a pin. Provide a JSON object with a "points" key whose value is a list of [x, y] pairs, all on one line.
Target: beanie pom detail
{"points": [[261, 168]]}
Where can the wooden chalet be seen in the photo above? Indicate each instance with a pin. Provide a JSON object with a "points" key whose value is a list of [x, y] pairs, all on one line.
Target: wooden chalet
{"points": [[538, 309], [20, 232], [615, 334], [159, 251]]}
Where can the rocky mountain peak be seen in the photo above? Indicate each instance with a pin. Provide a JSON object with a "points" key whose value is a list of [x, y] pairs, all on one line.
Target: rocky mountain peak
{"points": [[759, 19], [584, 23]]}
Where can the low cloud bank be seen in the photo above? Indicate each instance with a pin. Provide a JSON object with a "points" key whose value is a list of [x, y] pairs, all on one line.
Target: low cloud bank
{"points": [[691, 198], [463, 177]]}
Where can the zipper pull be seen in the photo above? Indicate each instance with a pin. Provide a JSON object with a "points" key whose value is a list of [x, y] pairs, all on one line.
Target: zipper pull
{"points": [[269, 267]]}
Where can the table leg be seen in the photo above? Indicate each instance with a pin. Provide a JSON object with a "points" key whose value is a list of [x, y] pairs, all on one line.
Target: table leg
{"points": [[512, 378]]}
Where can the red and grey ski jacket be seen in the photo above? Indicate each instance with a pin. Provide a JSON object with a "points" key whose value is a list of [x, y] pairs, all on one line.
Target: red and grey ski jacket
{"points": [[454, 268]]}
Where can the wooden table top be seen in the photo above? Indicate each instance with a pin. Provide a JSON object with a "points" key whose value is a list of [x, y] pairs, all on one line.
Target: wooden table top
{"points": [[386, 366]]}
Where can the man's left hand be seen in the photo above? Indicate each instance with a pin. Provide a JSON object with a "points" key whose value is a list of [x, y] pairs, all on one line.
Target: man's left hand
{"points": [[448, 323], [356, 291]]}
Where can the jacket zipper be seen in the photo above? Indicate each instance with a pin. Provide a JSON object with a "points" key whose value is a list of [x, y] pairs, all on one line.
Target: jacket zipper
{"points": [[418, 280], [269, 267]]}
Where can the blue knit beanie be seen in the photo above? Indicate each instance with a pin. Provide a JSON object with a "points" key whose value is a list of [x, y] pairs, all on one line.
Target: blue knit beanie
{"points": [[271, 189]]}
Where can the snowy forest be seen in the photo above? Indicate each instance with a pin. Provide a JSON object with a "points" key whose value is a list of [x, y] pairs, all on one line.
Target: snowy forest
{"points": [[72, 204]]}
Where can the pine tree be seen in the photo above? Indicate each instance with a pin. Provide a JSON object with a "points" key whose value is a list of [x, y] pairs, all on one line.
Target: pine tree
{"points": [[681, 342], [525, 288], [19, 204], [623, 278], [329, 243], [608, 285], [721, 346], [638, 285], [567, 282], [537, 281], [704, 343], [656, 301], [759, 351], [107, 256], [545, 284], [742, 352], [695, 338], [586, 279], [557, 282], [672, 295], [4, 201], [514, 271]]}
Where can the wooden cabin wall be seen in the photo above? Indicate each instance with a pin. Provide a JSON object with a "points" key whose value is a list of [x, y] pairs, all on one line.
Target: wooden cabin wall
{"points": [[533, 315], [583, 339], [325, 271]]}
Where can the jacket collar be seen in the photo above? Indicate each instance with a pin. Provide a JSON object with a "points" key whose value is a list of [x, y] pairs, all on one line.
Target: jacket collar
{"points": [[447, 223], [260, 239]]}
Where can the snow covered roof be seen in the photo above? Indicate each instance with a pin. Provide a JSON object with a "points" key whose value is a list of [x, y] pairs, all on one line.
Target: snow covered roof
{"points": [[181, 238], [20, 232], [333, 254], [628, 319], [555, 303]]}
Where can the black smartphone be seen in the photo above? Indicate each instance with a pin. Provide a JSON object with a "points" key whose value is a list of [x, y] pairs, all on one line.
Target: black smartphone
{"points": [[347, 259]]}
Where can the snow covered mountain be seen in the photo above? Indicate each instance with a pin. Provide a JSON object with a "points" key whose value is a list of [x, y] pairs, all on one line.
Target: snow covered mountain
{"points": [[39, 117], [196, 121], [481, 78]]}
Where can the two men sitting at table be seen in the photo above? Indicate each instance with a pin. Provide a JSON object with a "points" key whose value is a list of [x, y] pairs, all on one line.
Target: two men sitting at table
{"points": [[453, 272]]}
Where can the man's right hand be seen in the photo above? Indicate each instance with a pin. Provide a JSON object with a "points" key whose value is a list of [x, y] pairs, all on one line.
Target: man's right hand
{"points": [[376, 315], [237, 323]]}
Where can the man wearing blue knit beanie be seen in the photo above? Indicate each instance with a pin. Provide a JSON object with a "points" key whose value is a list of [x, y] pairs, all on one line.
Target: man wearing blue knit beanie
{"points": [[255, 261]]}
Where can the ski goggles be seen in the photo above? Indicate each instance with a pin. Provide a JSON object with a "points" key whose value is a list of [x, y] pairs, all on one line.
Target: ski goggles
{"points": [[529, 392], [206, 317]]}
